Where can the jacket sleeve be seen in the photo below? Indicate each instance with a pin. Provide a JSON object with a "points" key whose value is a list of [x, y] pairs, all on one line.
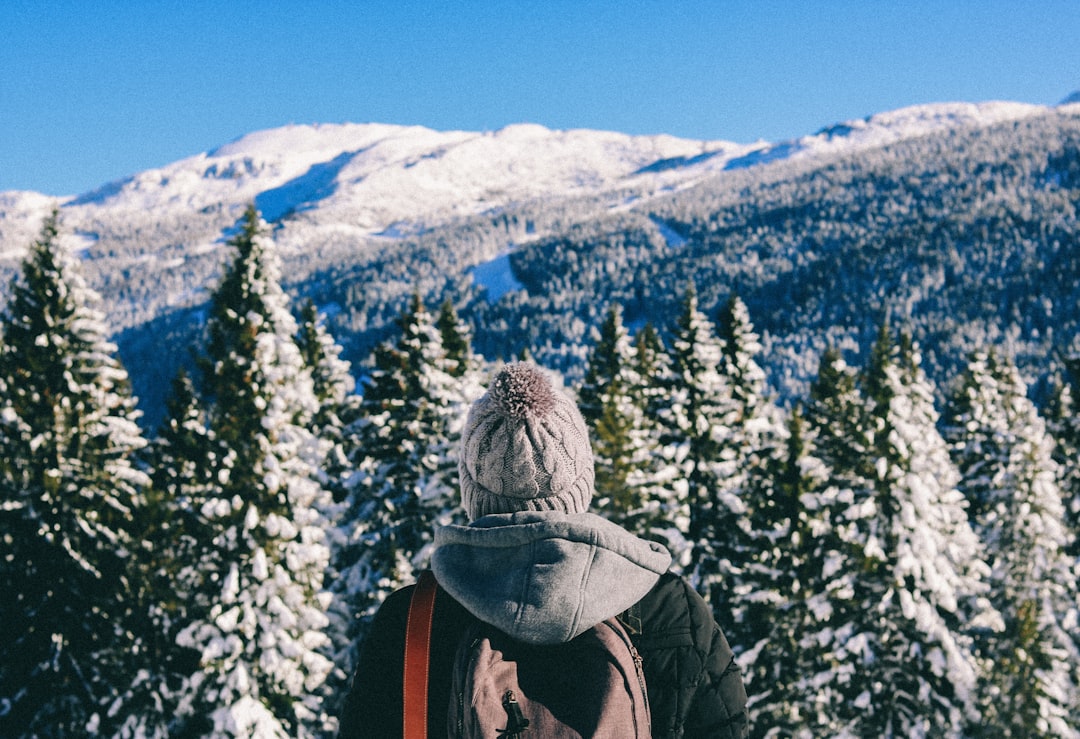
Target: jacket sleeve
{"points": [[373, 705], [695, 686], [718, 705]]}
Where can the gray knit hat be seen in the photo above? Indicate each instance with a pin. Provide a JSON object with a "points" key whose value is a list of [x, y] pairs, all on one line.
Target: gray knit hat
{"points": [[525, 447]]}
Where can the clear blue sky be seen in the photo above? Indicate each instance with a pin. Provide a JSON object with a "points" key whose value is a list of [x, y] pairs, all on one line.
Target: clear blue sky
{"points": [[95, 90]]}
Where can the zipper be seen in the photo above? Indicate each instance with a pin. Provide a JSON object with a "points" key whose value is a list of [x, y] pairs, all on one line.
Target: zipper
{"points": [[516, 723], [639, 668]]}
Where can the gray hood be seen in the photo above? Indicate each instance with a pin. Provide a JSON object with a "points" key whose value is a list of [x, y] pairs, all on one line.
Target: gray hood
{"points": [[545, 577]]}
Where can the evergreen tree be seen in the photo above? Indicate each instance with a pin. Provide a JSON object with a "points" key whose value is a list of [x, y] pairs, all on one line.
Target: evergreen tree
{"points": [[405, 484], [796, 568], [182, 480], [1004, 455], [922, 574], [758, 441], [657, 480], [741, 346], [464, 375], [698, 427], [1063, 420], [69, 493], [612, 401], [456, 342], [338, 405], [802, 678], [259, 610], [331, 375]]}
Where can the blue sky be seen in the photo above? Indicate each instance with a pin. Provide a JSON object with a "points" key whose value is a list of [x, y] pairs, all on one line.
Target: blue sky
{"points": [[93, 91]]}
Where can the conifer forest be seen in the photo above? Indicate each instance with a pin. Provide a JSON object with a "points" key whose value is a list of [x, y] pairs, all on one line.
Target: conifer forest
{"points": [[844, 396]]}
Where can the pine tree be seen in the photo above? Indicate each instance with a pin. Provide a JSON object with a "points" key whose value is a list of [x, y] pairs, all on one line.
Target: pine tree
{"points": [[1004, 454], [405, 483], [339, 407], [698, 427], [802, 677], [456, 342], [802, 560], [334, 388], [758, 441], [69, 492], [463, 376], [182, 480], [741, 346], [612, 401], [1063, 420], [331, 375], [922, 573], [652, 474], [259, 609]]}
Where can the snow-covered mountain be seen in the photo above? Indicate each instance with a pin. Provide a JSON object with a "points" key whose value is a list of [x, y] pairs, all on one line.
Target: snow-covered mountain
{"points": [[366, 214], [376, 180]]}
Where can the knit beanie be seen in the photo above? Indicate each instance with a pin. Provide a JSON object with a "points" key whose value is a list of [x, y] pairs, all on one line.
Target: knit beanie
{"points": [[525, 447]]}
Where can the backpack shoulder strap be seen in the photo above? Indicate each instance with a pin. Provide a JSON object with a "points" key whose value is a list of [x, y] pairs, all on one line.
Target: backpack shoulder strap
{"points": [[418, 657]]}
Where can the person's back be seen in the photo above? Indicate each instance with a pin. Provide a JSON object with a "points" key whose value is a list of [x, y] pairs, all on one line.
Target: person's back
{"points": [[538, 567]]}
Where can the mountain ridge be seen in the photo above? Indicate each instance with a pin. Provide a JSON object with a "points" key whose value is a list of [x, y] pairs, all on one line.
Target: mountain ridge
{"points": [[384, 180], [257, 158], [365, 215]]}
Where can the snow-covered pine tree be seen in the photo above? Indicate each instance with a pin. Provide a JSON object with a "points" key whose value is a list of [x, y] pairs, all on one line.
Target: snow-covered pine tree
{"points": [[334, 387], [922, 574], [699, 422], [180, 460], [801, 676], [339, 406], [403, 488], [331, 374], [1063, 420], [613, 405], [69, 492], [775, 666], [465, 373], [758, 441], [741, 347], [457, 342], [658, 480], [1004, 454], [259, 608]]}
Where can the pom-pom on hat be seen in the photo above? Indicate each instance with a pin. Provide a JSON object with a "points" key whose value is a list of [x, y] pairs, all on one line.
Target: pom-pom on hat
{"points": [[525, 447]]}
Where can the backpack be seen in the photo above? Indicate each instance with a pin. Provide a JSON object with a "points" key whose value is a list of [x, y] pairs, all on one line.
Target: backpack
{"points": [[591, 686]]}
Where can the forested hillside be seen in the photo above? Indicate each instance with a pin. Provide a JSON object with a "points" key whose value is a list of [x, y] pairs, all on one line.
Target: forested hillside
{"points": [[958, 222], [967, 238], [887, 556]]}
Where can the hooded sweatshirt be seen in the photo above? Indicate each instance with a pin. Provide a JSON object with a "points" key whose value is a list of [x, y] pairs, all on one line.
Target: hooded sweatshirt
{"points": [[545, 577]]}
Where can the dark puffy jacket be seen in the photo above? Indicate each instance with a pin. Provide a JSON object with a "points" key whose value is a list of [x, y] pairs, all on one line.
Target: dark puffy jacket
{"points": [[694, 685]]}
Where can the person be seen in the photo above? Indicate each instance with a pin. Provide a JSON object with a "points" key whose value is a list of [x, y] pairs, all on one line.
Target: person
{"points": [[537, 565]]}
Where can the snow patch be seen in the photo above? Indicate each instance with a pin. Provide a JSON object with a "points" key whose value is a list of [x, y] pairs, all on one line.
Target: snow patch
{"points": [[496, 277], [673, 238]]}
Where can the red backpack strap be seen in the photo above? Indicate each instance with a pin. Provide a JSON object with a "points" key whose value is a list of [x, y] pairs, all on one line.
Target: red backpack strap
{"points": [[417, 657]]}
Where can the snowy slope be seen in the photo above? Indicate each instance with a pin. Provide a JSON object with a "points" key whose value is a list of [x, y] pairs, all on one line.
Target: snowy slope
{"points": [[887, 128], [372, 179], [21, 214]]}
